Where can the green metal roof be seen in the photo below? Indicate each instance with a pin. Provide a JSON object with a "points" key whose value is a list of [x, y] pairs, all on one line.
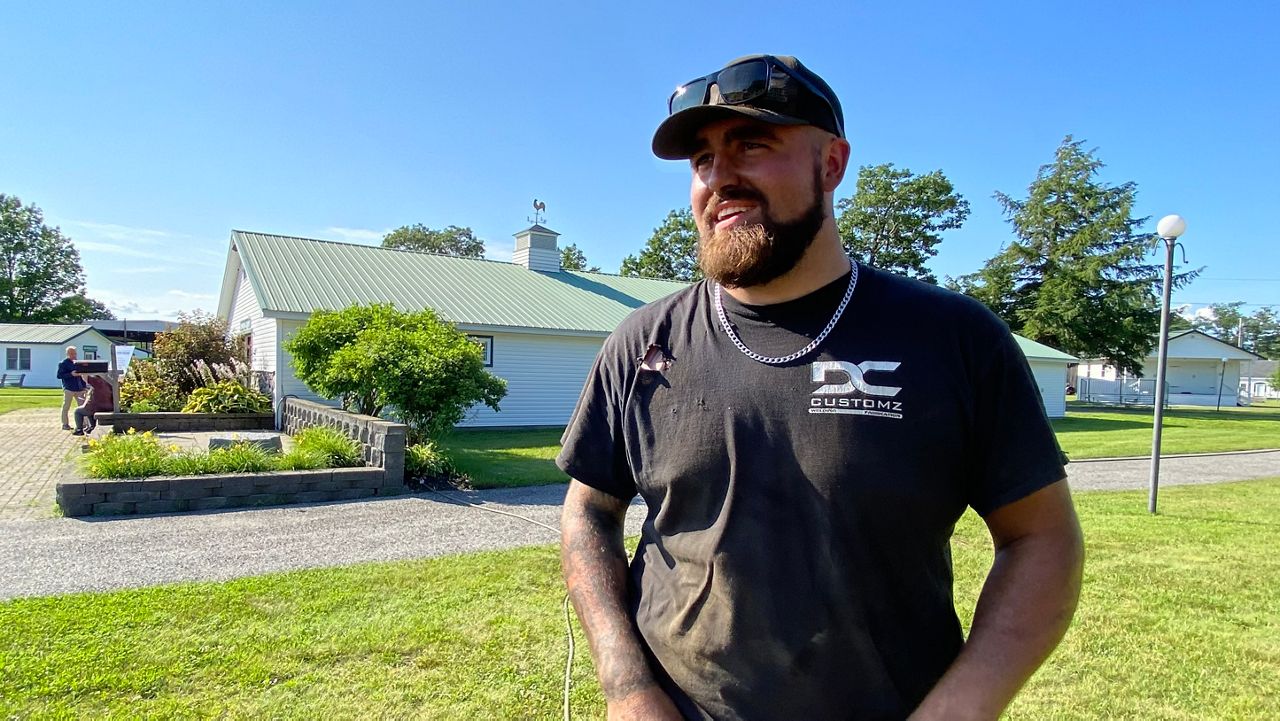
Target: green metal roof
{"points": [[300, 275], [39, 333], [1039, 351]]}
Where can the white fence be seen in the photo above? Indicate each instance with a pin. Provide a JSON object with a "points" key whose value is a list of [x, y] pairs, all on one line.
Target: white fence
{"points": [[1141, 392]]}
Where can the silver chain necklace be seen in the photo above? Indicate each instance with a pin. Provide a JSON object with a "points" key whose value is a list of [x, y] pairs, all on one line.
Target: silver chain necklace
{"points": [[779, 360]]}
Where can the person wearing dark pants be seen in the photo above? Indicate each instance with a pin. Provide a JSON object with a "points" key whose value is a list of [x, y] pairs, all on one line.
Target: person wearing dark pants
{"points": [[99, 400]]}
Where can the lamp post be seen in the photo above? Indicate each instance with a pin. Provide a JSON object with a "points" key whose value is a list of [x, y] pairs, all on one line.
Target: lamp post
{"points": [[1169, 228]]}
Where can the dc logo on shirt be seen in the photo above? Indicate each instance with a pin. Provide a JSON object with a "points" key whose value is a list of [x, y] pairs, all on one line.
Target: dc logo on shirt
{"points": [[822, 400]]}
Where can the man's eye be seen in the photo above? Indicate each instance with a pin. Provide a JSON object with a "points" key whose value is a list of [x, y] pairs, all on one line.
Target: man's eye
{"points": [[752, 146], [701, 160]]}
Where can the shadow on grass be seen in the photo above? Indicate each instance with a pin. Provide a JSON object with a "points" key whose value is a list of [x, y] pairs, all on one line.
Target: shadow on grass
{"points": [[1220, 519], [1227, 413], [1077, 425], [484, 440]]}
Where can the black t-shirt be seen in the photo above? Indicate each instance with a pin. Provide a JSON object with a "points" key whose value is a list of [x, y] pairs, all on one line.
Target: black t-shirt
{"points": [[795, 559]]}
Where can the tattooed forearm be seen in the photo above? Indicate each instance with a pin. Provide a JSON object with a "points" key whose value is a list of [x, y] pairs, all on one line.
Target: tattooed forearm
{"points": [[595, 570]]}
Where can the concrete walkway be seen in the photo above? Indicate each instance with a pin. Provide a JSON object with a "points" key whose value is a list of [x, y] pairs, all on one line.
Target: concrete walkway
{"points": [[40, 557]]}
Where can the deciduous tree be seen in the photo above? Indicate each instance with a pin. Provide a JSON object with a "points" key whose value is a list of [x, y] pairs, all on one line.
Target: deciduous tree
{"points": [[41, 280], [895, 219], [1258, 332], [572, 258], [670, 253], [460, 242], [376, 358], [1076, 276]]}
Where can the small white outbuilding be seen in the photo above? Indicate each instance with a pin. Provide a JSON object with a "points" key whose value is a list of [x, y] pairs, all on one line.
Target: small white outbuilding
{"points": [[1050, 367], [34, 351]]}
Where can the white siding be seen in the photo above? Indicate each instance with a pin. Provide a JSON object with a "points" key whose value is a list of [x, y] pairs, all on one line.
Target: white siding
{"points": [[45, 358], [544, 375], [1195, 345], [286, 382], [1201, 377], [1051, 378], [44, 364], [246, 313]]}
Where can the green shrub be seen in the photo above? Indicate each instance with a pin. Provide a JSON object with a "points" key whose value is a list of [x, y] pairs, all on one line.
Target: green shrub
{"points": [[141, 407], [146, 389], [427, 459], [334, 445], [227, 397], [375, 357], [128, 455], [301, 459]]}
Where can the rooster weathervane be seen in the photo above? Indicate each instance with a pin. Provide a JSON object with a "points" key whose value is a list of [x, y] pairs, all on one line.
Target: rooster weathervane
{"points": [[539, 212]]}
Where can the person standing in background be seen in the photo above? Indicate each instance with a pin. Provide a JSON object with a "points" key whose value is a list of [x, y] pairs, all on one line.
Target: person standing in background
{"points": [[73, 386]]}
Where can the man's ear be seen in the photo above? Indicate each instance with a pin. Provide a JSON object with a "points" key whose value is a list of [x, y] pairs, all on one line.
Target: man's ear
{"points": [[835, 161]]}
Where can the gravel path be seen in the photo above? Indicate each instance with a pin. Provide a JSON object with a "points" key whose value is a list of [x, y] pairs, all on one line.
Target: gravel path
{"points": [[63, 555]]}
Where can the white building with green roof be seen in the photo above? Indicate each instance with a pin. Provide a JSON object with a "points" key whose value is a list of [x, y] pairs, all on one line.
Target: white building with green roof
{"points": [[33, 351], [1050, 367], [1201, 371], [541, 326]]}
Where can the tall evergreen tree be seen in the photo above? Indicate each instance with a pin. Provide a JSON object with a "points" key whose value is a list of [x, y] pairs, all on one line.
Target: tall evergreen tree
{"points": [[671, 252], [895, 218], [1077, 275]]}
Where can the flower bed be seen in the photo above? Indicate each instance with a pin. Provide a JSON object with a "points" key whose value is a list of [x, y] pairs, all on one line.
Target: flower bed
{"points": [[141, 455], [135, 473]]}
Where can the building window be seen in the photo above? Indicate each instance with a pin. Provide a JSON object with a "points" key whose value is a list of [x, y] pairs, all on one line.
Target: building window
{"points": [[17, 359], [486, 344], [246, 326], [90, 352]]}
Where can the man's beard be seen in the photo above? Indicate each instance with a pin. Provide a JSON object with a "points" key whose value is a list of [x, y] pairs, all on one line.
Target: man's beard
{"points": [[751, 255]]}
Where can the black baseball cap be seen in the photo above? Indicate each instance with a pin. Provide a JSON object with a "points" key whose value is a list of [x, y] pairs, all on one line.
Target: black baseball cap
{"points": [[776, 89]]}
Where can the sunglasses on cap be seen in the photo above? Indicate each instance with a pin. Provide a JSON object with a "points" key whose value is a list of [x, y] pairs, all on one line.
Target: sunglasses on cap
{"points": [[763, 83]]}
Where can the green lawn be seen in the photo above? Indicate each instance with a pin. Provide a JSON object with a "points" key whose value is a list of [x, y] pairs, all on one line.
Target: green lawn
{"points": [[11, 399], [1094, 432], [503, 459], [1179, 620]]}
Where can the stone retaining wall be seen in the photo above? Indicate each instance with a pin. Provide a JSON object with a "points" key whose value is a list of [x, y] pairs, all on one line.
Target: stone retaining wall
{"points": [[186, 422], [382, 445], [382, 442], [241, 490]]}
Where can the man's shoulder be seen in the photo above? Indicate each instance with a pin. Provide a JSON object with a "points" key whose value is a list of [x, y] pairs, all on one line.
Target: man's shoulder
{"points": [[674, 308], [928, 304]]}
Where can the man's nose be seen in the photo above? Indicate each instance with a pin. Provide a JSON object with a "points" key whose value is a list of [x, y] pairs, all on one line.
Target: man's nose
{"points": [[722, 173]]}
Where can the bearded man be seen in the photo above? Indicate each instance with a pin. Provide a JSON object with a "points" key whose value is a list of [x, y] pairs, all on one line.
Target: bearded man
{"points": [[805, 432]]}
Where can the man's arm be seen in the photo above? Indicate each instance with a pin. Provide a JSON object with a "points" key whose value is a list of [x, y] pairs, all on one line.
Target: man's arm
{"points": [[595, 570], [1025, 607]]}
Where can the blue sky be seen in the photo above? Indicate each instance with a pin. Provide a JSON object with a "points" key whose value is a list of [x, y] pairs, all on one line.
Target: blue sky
{"points": [[148, 131]]}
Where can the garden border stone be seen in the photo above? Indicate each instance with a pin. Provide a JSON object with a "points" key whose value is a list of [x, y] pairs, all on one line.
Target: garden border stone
{"points": [[170, 422], [172, 494], [382, 446]]}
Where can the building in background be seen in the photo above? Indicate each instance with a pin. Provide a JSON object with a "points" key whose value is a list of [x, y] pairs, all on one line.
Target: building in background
{"points": [[32, 352], [1201, 371]]}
